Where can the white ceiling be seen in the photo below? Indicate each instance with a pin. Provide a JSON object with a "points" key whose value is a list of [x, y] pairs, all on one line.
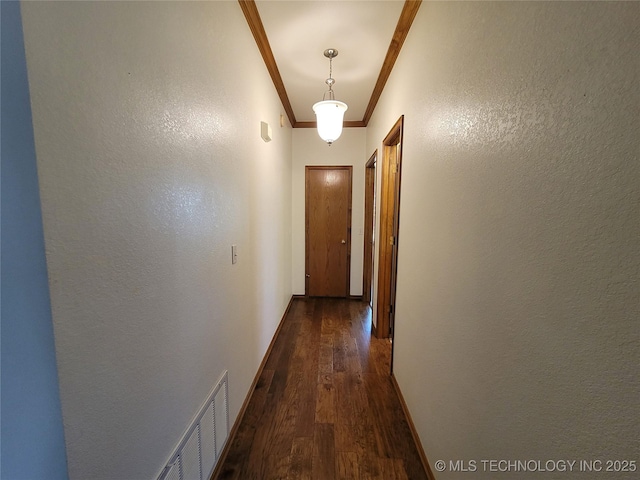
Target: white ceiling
{"points": [[300, 31]]}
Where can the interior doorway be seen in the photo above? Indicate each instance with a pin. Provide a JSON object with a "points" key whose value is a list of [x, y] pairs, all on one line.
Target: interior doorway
{"points": [[327, 230], [389, 228], [369, 228]]}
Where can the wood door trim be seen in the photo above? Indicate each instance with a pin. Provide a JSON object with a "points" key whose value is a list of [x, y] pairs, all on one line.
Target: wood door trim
{"points": [[389, 201], [349, 169], [369, 197], [372, 160], [395, 134]]}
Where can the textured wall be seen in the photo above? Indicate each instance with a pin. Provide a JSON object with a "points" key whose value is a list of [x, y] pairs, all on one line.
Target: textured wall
{"points": [[147, 127], [309, 149], [518, 296], [32, 434]]}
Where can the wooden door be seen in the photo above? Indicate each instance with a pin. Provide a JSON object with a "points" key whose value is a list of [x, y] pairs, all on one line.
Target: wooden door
{"points": [[328, 231], [389, 228], [369, 227]]}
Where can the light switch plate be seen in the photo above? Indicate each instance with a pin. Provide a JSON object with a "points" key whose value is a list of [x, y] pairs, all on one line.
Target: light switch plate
{"points": [[265, 131]]}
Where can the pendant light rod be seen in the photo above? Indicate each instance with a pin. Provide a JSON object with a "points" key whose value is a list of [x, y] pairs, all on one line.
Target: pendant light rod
{"points": [[330, 53]]}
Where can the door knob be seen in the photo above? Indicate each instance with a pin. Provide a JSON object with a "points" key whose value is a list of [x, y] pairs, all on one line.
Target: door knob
{"points": [[344, 241]]}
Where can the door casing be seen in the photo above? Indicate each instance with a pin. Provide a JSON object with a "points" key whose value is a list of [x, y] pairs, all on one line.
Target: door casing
{"points": [[345, 234], [389, 226], [369, 226]]}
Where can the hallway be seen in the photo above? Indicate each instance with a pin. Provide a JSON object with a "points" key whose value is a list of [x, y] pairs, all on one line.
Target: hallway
{"points": [[135, 165], [324, 406]]}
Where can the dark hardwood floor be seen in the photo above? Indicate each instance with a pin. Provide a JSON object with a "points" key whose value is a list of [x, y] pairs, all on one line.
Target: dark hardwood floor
{"points": [[324, 407]]}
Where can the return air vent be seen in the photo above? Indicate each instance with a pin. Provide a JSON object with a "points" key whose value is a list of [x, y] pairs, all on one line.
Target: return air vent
{"points": [[190, 457], [173, 472], [208, 439], [221, 418], [200, 448]]}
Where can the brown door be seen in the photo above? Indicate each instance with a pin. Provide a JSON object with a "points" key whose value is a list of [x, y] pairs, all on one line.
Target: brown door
{"points": [[369, 227], [328, 231], [389, 228]]}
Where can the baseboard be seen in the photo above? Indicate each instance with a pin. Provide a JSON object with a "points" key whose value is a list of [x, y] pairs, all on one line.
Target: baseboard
{"points": [[356, 297], [414, 433], [245, 404]]}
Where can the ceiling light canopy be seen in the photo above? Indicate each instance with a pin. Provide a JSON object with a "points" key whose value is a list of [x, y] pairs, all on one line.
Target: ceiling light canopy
{"points": [[330, 113]]}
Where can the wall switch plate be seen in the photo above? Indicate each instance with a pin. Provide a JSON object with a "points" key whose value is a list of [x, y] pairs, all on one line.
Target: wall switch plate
{"points": [[265, 131], [234, 254]]}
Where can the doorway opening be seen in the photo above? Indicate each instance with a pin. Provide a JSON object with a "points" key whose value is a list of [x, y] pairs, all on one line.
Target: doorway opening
{"points": [[369, 228], [389, 228]]}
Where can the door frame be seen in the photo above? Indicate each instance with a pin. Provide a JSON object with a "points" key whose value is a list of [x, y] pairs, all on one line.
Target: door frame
{"points": [[369, 227], [389, 226], [348, 168]]}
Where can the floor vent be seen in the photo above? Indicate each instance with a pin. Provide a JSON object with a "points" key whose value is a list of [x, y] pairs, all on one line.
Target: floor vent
{"points": [[200, 448]]}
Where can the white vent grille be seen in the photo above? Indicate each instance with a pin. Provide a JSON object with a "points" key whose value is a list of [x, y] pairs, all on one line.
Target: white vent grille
{"points": [[190, 457], [221, 418], [174, 472], [208, 440], [201, 446]]}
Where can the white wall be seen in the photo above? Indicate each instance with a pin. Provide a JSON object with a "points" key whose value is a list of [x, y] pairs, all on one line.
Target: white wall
{"points": [[32, 443], [309, 149], [518, 293], [147, 127]]}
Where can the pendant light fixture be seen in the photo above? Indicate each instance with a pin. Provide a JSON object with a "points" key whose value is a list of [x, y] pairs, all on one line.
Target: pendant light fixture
{"points": [[329, 113]]}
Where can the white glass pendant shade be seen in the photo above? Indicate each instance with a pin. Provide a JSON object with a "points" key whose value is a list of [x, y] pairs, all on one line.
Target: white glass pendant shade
{"points": [[329, 116]]}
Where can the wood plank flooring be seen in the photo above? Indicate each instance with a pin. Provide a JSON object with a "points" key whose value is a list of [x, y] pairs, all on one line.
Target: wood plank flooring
{"points": [[324, 406]]}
